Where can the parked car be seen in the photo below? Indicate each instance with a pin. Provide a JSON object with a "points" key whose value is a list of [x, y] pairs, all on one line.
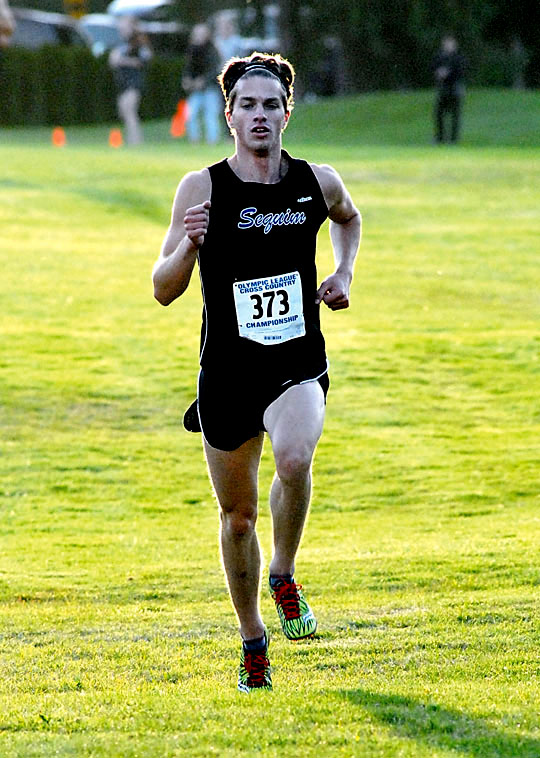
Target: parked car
{"points": [[167, 38], [37, 28], [102, 30]]}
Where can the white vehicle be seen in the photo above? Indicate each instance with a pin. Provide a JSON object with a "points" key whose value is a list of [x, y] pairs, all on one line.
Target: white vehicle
{"points": [[33, 29], [154, 9]]}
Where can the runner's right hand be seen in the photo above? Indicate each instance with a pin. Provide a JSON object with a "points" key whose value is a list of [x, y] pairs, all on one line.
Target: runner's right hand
{"points": [[196, 223]]}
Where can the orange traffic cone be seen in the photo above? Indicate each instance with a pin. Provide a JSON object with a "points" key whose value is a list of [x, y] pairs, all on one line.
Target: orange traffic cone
{"points": [[178, 123], [58, 137], [115, 138]]}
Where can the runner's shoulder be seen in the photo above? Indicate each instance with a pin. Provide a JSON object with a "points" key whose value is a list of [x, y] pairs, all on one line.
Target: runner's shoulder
{"points": [[330, 182], [196, 185]]}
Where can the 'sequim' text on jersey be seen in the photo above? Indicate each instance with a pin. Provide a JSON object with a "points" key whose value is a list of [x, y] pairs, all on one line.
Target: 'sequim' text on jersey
{"points": [[249, 217]]}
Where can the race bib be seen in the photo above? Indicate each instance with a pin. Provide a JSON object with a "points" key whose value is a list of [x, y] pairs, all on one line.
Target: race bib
{"points": [[270, 310]]}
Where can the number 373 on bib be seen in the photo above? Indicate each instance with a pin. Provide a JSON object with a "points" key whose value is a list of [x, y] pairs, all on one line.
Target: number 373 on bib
{"points": [[270, 310]]}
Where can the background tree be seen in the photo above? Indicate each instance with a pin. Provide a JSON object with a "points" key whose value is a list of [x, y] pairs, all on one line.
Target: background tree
{"points": [[388, 43]]}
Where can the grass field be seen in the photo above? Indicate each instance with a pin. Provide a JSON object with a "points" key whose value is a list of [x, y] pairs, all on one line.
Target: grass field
{"points": [[421, 556]]}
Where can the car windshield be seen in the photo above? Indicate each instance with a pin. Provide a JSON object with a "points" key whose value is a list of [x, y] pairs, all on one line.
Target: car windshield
{"points": [[33, 34], [109, 36]]}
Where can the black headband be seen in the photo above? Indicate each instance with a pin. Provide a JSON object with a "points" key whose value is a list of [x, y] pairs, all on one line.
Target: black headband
{"points": [[256, 66]]}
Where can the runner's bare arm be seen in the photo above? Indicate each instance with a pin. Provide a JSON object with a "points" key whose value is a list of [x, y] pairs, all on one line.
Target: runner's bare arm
{"points": [[345, 233], [185, 235]]}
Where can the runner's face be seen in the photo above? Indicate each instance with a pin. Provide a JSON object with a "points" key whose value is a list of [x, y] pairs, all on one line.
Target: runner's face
{"points": [[258, 116]]}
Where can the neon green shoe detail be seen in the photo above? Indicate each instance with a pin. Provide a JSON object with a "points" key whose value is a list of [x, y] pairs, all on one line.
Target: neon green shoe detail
{"points": [[254, 672], [297, 619]]}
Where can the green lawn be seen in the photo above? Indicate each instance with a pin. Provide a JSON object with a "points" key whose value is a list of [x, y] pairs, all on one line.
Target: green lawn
{"points": [[421, 556]]}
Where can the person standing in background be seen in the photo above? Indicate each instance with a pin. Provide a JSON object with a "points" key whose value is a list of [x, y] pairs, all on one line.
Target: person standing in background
{"points": [[128, 62], [7, 24], [200, 82], [228, 42], [519, 60], [449, 71], [7, 27]]}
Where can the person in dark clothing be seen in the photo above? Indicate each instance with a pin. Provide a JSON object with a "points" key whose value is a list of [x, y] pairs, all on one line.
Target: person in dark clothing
{"points": [[449, 71], [128, 62], [251, 222], [199, 81], [328, 75]]}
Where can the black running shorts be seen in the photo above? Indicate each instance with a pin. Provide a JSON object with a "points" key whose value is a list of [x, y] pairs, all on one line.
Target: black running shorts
{"points": [[231, 412]]}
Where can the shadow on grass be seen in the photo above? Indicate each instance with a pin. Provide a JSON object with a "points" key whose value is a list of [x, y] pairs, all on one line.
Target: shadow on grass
{"points": [[442, 727]]}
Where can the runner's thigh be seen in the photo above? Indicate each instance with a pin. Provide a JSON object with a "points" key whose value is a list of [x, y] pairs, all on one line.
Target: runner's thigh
{"points": [[234, 473], [294, 420]]}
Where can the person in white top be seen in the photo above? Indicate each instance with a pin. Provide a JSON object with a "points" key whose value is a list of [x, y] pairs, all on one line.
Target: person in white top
{"points": [[228, 42]]}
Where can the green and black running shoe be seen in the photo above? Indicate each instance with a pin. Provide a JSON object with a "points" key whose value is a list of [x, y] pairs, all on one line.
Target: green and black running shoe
{"points": [[254, 672], [297, 619]]}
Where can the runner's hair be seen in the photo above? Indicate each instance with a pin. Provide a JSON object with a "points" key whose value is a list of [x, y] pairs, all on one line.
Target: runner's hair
{"points": [[258, 64]]}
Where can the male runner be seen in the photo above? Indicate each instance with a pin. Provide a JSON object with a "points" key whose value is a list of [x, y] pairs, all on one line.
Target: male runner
{"points": [[251, 222]]}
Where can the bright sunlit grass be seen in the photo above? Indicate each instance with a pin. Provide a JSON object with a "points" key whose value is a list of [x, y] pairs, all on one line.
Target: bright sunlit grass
{"points": [[420, 557]]}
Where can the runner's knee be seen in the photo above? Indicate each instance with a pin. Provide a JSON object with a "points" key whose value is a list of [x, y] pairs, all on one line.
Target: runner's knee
{"points": [[293, 465], [238, 521]]}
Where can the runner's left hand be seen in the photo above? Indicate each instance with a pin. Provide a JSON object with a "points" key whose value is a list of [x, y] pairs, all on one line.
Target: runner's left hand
{"points": [[334, 291]]}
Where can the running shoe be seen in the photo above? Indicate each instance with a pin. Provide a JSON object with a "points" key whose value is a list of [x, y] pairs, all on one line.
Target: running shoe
{"points": [[254, 672], [297, 619]]}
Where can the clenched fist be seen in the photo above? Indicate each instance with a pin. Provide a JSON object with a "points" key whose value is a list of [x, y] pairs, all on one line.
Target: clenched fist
{"points": [[196, 223], [334, 292]]}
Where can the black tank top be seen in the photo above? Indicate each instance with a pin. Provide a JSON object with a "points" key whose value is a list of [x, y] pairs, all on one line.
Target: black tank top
{"points": [[259, 236]]}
